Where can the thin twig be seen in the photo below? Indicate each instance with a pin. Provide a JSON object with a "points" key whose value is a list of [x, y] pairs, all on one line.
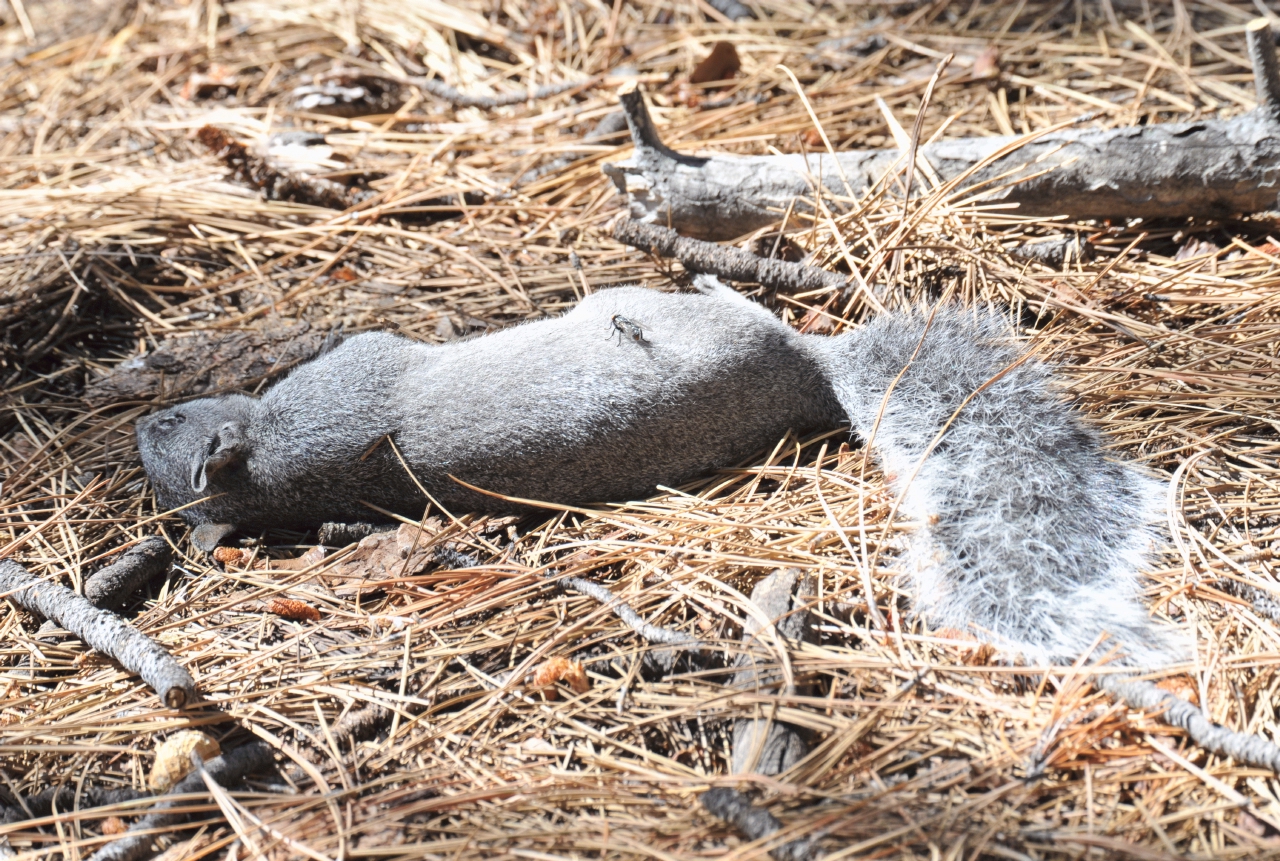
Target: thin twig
{"points": [[624, 611]]}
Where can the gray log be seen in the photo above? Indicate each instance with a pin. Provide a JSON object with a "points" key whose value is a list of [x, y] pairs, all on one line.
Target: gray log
{"points": [[101, 630], [1208, 168]]}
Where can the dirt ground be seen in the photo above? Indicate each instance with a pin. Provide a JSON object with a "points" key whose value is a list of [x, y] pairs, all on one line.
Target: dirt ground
{"points": [[407, 687]]}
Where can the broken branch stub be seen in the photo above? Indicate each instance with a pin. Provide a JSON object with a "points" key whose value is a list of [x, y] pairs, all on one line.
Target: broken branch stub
{"points": [[1204, 168], [101, 630]]}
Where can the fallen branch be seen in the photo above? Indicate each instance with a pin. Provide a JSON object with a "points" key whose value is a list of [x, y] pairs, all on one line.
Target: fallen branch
{"points": [[725, 261], [113, 585], [755, 823], [1205, 168], [1243, 747], [228, 768], [101, 630]]}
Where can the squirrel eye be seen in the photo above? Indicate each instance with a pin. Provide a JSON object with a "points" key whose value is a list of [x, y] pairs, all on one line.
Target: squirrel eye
{"points": [[171, 421]]}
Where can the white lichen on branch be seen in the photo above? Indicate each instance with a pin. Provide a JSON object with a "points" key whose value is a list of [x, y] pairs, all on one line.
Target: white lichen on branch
{"points": [[101, 630]]}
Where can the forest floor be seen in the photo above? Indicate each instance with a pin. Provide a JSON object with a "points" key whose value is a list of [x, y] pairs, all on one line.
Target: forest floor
{"points": [[123, 235]]}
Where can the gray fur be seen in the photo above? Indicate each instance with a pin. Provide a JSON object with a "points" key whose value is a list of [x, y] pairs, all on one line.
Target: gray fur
{"points": [[556, 410], [1027, 534]]}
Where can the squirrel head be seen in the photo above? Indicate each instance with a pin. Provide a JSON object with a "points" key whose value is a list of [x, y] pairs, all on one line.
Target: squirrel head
{"points": [[196, 450]]}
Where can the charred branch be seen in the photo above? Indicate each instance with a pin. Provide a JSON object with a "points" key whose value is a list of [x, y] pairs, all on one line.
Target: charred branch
{"points": [[225, 770]]}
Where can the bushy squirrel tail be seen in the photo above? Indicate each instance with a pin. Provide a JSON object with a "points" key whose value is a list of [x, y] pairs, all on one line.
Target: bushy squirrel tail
{"points": [[1028, 535]]}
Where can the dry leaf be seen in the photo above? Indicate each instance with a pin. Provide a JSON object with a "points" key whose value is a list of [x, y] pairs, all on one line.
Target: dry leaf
{"points": [[298, 611], [980, 656], [562, 670], [113, 825], [720, 65], [173, 758]]}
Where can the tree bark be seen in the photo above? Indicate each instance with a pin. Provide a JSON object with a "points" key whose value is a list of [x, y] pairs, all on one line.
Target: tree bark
{"points": [[1207, 168]]}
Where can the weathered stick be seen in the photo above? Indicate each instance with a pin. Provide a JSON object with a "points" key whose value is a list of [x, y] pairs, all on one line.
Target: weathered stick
{"points": [[1242, 747], [459, 99], [760, 745], [624, 611], [755, 823], [115, 584], [228, 768], [725, 260], [1205, 168], [101, 630]]}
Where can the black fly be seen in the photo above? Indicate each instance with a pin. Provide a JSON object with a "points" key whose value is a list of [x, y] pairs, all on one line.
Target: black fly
{"points": [[626, 328]]}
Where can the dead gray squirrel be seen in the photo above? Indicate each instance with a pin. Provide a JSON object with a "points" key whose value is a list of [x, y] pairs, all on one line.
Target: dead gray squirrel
{"points": [[1028, 535]]}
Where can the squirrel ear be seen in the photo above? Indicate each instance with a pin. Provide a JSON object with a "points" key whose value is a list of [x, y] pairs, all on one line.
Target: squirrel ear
{"points": [[225, 447]]}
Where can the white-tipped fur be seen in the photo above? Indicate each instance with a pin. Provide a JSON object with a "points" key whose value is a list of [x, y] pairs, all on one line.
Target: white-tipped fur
{"points": [[1027, 534]]}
